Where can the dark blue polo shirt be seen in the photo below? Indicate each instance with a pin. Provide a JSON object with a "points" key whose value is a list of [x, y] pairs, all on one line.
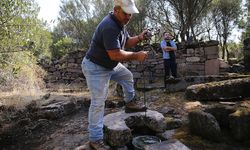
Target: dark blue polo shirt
{"points": [[109, 35]]}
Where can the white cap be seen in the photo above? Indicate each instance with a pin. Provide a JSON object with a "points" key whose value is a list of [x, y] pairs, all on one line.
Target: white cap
{"points": [[128, 6]]}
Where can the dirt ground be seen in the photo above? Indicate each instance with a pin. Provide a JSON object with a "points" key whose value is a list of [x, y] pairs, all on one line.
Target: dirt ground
{"points": [[68, 132]]}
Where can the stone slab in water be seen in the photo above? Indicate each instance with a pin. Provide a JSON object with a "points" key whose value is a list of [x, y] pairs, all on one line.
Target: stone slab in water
{"points": [[167, 145], [118, 126]]}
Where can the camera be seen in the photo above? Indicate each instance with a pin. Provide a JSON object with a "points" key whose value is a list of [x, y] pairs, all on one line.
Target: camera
{"points": [[148, 35]]}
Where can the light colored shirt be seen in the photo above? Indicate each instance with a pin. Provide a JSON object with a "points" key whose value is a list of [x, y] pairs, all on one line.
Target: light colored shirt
{"points": [[164, 44]]}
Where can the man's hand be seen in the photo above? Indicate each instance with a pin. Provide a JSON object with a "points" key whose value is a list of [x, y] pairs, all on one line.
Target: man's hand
{"points": [[142, 55], [143, 36]]}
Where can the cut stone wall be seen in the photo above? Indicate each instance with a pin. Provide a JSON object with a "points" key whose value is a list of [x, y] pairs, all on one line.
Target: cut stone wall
{"points": [[65, 70], [192, 60]]}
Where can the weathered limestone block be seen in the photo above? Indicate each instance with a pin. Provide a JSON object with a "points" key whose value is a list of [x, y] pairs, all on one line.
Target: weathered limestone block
{"points": [[212, 56], [223, 90], [199, 51], [167, 145], [205, 125], [212, 67], [239, 123], [211, 50], [118, 126], [190, 52], [180, 60], [196, 66], [193, 59]]}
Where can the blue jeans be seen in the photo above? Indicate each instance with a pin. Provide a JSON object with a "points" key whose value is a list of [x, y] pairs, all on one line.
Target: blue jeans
{"points": [[98, 78]]}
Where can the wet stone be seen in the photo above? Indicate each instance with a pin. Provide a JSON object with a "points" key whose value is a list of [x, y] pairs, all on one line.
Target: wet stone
{"points": [[118, 126]]}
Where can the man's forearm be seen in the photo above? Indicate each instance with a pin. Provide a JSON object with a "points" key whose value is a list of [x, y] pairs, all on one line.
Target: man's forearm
{"points": [[121, 55], [168, 48], [133, 41]]}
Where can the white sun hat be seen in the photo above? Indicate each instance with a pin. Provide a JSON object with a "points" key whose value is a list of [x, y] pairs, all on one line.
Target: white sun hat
{"points": [[128, 6]]}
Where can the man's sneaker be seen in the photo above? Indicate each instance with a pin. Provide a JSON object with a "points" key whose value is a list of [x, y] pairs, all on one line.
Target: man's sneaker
{"points": [[133, 106], [99, 145]]}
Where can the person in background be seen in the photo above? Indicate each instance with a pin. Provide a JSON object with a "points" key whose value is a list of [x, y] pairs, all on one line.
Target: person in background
{"points": [[102, 64], [169, 47]]}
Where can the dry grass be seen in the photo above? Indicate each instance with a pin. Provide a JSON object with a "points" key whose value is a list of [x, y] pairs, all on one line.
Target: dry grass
{"points": [[20, 99]]}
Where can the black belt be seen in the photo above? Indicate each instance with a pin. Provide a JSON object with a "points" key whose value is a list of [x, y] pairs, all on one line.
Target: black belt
{"points": [[89, 58], [96, 62]]}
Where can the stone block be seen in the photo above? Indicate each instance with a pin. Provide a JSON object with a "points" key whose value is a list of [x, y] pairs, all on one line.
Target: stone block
{"points": [[211, 50], [193, 59], [200, 51], [190, 52], [240, 124], [212, 56], [222, 90], [196, 66], [72, 60], [212, 67], [136, 75], [179, 61], [204, 125], [221, 113], [118, 126], [160, 66]]}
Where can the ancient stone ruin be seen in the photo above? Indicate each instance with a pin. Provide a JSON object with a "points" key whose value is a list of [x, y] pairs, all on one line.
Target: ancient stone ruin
{"points": [[121, 128], [197, 64], [65, 70], [193, 60], [231, 115]]}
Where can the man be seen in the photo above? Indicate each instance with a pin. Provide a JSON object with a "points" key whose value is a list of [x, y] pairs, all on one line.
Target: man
{"points": [[102, 64], [169, 47]]}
